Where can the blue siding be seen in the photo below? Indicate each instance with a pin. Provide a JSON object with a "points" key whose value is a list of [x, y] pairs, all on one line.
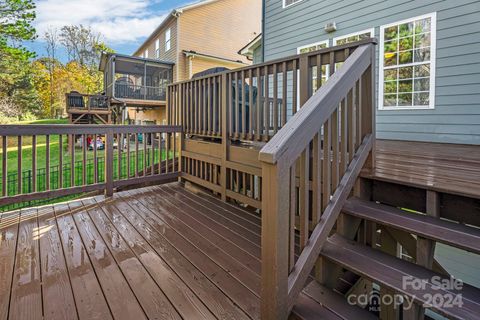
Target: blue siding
{"points": [[456, 116]]}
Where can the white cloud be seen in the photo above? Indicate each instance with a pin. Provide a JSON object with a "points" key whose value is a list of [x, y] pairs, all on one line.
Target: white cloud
{"points": [[119, 21]]}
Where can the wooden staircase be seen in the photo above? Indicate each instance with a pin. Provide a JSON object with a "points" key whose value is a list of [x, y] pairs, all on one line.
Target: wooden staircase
{"points": [[363, 261]]}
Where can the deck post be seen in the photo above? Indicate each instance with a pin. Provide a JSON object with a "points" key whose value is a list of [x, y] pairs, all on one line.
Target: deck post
{"points": [[275, 241], [109, 164], [225, 137]]}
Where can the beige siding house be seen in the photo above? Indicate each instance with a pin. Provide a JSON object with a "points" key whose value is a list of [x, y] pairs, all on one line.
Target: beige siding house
{"points": [[200, 36]]}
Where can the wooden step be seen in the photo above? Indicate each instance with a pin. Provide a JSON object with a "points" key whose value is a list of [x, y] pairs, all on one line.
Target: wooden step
{"points": [[389, 271], [451, 233], [317, 299]]}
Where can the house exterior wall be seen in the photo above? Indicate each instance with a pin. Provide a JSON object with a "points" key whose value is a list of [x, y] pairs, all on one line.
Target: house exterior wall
{"points": [[219, 29], [157, 115], [455, 117], [199, 64]]}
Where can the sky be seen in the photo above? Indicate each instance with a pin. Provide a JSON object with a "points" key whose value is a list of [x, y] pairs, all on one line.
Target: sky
{"points": [[124, 24]]}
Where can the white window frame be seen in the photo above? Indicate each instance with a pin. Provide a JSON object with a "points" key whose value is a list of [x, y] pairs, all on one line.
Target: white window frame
{"points": [[157, 48], [284, 5], [168, 40], [371, 30], [327, 42], [433, 52]]}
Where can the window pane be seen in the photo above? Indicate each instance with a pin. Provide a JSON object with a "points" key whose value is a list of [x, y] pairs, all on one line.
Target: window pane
{"points": [[390, 59], [391, 33], [406, 44], [405, 57], [391, 74], [422, 55], [405, 86], [422, 40], [390, 87], [405, 99], [390, 100], [423, 25], [405, 73], [422, 70], [421, 99], [405, 29], [422, 84], [391, 46]]}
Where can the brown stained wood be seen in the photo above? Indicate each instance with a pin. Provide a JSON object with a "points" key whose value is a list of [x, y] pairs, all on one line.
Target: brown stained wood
{"points": [[153, 301], [388, 271], [19, 165], [202, 239], [304, 198], [241, 254], [236, 233], [26, 294], [34, 163], [4, 165], [244, 298], [89, 298], [185, 301], [217, 302], [56, 286], [123, 303], [306, 308], [9, 223]]}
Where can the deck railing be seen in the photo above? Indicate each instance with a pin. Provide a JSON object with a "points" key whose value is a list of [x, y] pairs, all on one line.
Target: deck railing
{"points": [[244, 107], [77, 100], [129, 155], [308, 171], [130, 91]]}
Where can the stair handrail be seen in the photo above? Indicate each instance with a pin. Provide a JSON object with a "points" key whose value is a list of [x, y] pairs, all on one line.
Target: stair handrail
{"points": [[351, 90]]}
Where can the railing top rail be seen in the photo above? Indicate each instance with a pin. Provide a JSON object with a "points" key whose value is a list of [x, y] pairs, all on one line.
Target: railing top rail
{"points": [[285, 59], [29, 130], [293, 137]]}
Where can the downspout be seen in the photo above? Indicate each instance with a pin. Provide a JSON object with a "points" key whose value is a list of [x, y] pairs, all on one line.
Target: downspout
{"points": [[263, 30]]}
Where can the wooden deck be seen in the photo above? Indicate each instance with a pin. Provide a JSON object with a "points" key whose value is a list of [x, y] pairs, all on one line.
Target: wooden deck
{"points": [[439, 167], [160, 252]]}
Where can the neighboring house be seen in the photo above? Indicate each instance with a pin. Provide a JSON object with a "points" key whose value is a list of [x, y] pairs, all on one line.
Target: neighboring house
{"points": [[429, 66], [200, 36]]}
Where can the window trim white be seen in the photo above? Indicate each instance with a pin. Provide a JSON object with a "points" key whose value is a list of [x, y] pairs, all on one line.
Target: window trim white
{"points": [[433, 54], [284, 5], [327, 42], [157, 48], [168, 40], [371, 30]]}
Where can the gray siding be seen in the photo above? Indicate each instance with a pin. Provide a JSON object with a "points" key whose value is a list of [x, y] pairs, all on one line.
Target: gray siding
{"points": [[456, 117], [257, 55]]}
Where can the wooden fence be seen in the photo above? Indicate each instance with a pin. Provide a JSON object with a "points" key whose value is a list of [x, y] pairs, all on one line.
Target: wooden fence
{"points": [[227, 117], [118, 146]]}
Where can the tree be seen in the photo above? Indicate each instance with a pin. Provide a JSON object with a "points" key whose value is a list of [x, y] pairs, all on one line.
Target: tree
{"points": [[82, 45], [51, 45]]}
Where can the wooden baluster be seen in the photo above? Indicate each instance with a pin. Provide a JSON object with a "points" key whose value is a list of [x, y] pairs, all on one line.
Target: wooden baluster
{"points": [[175, 168], [72, 160], [215, 117], [119, 155], [319, 71], [47, 162], [335, 157], [294, 87], [250, 104], [244, 107], [109, 164], [208, 119], [351, 125], [4, 165], [344, 139], [266, 107], [136, 154], [283, 116], [34, 163], [258, 106], [275, 99], [95, 159], [84, 159], [316, 179], [327, 165], [204, 106], [293, 214], [236, 109], [195, 106], [167, 152], [358, 111], [304, 197], [60, 161], [144, 158], [152, 153], [159, 153], [19, 165]]}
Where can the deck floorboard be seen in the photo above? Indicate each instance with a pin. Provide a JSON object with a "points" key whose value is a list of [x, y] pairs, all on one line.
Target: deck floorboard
{"points": [[159, 252], [439, 167]]}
